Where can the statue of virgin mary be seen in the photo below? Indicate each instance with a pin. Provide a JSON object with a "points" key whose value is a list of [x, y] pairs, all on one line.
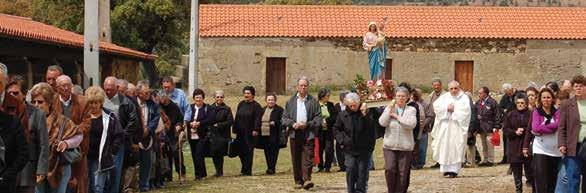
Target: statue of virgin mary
{"points": [[374, 42]]}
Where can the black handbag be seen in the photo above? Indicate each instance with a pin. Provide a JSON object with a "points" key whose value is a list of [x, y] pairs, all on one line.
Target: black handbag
{"points": [[233, 148], [70, 155], [219, 146], [582, 151]]}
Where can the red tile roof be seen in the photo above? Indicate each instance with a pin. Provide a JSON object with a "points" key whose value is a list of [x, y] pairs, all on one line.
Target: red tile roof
{"points": [[403, 21], [27, 29]]}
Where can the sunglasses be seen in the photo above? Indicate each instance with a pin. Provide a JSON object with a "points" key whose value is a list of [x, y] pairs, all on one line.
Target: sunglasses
{"points": [[14, 93], [40, 102]]}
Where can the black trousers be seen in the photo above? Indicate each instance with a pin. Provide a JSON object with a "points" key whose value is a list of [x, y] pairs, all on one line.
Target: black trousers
{"points": [[219, 164], [197, 154], [246, 156], [8, 185], [546, 172], [326, 149], [271, 149], [340, 156], [517, 169]]}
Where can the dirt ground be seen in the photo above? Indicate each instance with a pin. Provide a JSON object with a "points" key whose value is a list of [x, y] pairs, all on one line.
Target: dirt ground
{"points": [[427, 180]]}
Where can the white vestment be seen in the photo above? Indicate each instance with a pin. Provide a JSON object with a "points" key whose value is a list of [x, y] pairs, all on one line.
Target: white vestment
{"points": [[450, 131]]}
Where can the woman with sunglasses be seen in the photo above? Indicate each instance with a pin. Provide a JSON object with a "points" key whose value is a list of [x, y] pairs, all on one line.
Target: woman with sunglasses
{"points": [[59, 171], [34, 122], [220, 132]]}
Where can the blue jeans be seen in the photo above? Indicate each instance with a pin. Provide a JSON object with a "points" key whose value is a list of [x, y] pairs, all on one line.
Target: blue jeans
{"points": [[572, 171], [422, 151], [113, 184], [44, 187], [97, 179], [357, 172], [145, 169]]}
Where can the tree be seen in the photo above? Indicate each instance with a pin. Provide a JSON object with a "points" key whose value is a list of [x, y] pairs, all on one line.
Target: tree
{"points": [[16, 7], [65, 14]]}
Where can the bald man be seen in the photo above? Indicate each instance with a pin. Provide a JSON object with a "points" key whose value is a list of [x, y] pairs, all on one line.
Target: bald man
{"points": [[450, 131], [73, 107], [125, 110]]}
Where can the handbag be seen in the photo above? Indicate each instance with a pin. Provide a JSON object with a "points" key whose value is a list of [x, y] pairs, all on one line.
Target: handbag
{"points": [[70, 155], [233, 149], [496, 139], [582, 152]]}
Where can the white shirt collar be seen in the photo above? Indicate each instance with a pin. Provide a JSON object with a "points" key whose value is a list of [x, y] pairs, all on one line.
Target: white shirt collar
{"points": [[66, 103]]}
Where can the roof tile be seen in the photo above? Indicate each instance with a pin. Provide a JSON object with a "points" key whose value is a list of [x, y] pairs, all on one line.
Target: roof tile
{"points": [[402, 21], [26, 28]]}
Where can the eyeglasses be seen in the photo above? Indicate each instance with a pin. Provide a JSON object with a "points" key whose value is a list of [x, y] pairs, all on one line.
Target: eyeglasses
{"points": [[520, 103], [40, 102]]}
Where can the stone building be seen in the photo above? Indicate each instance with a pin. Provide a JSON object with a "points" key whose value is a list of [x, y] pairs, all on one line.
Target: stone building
{"points": [[28, 47], [269, 47]]}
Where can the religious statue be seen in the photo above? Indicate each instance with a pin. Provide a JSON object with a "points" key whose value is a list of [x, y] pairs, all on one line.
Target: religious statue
{"points": [[375, 43]]}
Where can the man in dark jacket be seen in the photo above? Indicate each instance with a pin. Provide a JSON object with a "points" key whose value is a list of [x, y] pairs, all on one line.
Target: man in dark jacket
{"points": [[355, 130], [125, 110], [14, 153], [303, 118], [339, 107], [489, 115], [151, 114]]}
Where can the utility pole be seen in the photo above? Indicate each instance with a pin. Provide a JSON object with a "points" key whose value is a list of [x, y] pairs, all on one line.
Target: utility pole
{"points": [[193, 45], [104, 15], [91, 44]]}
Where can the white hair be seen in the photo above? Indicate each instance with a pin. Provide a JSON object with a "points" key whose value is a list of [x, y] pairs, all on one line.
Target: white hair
{"points": [[352, 98], [110, 79], [454, 82], [64, 78], [507, 86], [403, 90], [219, 92]]}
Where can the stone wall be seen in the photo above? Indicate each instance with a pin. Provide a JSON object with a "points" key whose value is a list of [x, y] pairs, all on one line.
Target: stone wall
{"points": [[231, 63]]}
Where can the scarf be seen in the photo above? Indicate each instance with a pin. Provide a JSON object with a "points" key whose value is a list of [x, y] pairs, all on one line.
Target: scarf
{"points": [[548, 117]]}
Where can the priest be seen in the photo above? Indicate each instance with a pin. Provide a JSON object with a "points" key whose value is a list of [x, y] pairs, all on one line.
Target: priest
{"points": [[450, 130]]}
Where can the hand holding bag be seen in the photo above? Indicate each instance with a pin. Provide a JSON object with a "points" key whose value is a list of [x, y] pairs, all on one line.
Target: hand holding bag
{"points": [[70, 155]]}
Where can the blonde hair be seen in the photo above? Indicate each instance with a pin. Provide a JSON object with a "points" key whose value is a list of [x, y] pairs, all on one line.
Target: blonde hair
{"points": [[44, 90], [95, 94]]}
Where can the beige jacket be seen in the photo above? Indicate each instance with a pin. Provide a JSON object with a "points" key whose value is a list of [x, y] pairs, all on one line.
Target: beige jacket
{"points": [[399, 132]]}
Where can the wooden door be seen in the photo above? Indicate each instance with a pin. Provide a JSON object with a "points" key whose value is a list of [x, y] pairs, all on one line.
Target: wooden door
{"points": [[389, 69], [464, 73], [275, 75]]}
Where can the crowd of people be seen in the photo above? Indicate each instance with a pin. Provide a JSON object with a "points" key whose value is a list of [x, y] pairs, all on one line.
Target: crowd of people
{"points": [[125, 137]]}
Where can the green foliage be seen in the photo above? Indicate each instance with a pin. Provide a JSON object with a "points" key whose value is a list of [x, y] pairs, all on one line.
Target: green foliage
{"points": [[16, 7], [65, 14]]}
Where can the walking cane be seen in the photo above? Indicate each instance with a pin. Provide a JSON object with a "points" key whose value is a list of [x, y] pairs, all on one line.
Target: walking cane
{"points": [[181, 139]]}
